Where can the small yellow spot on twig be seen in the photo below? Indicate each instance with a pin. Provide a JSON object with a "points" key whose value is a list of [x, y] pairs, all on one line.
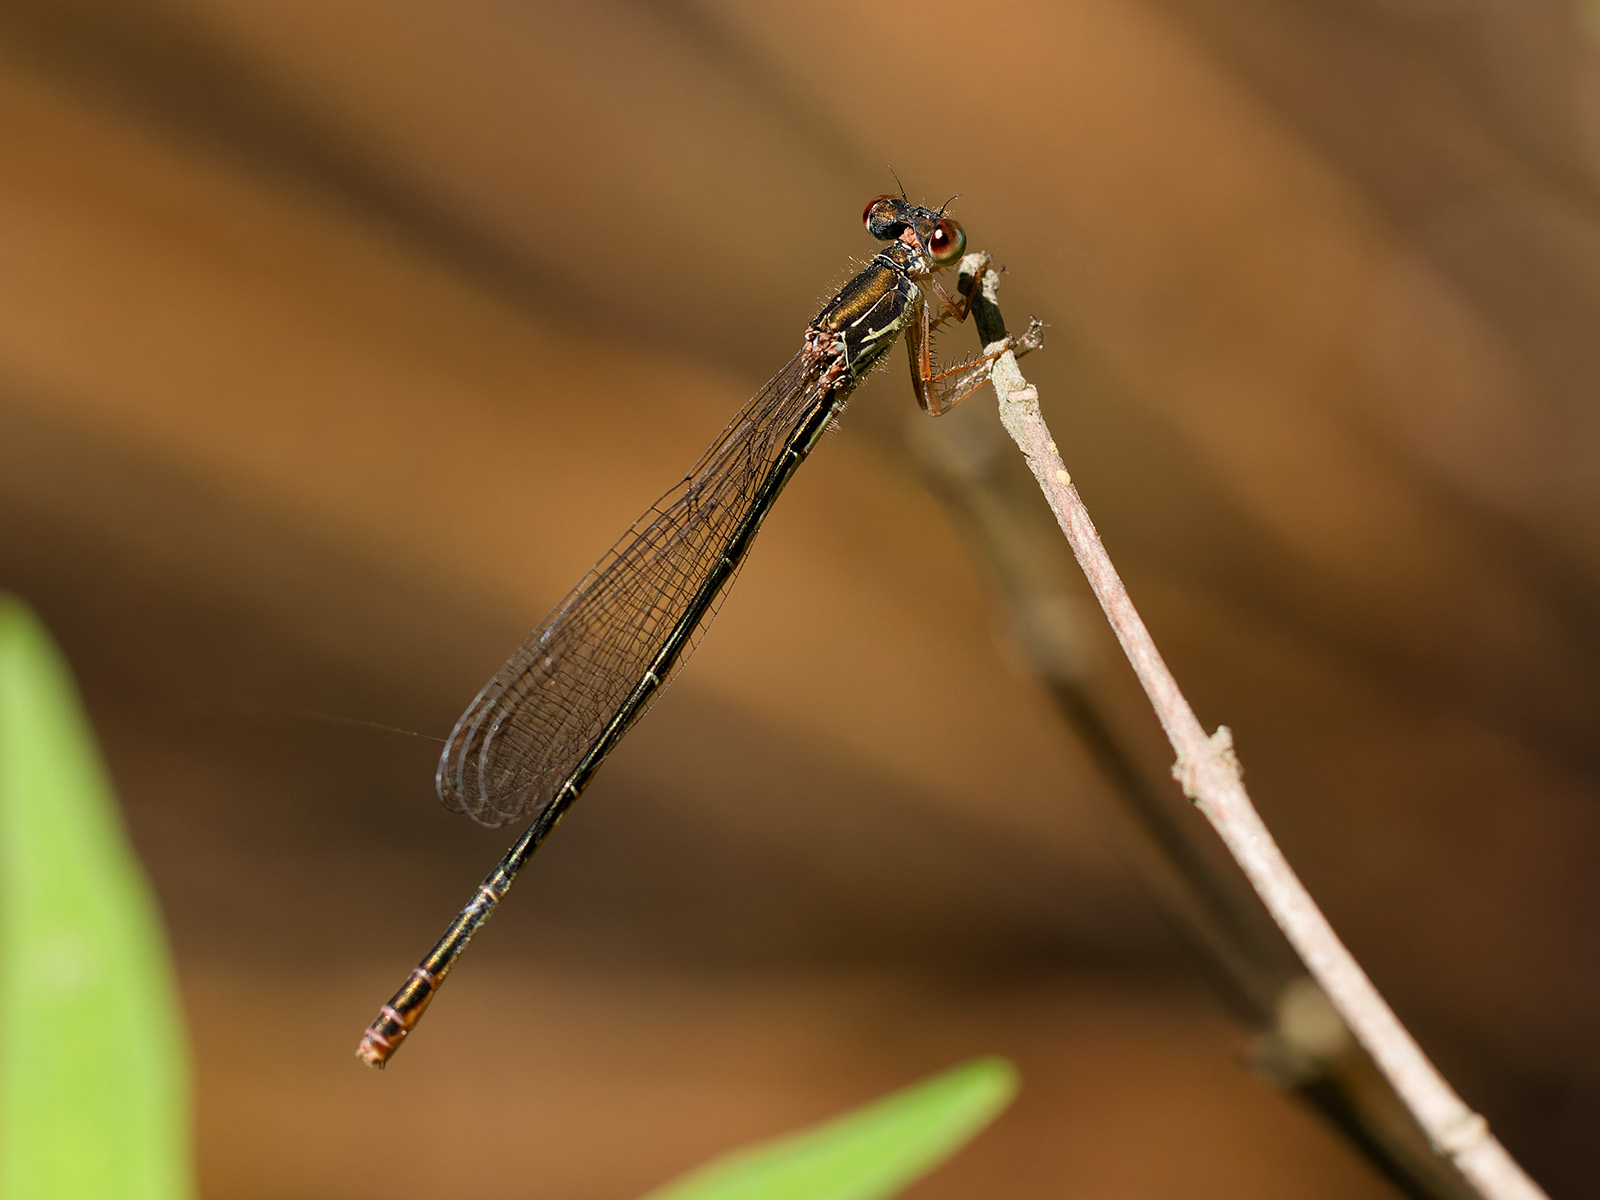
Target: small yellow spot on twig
{"points": [[1063, 478]]}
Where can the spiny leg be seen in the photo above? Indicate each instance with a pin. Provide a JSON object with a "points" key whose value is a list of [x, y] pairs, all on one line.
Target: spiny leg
{"points": [[940, 391], [961, 307]]}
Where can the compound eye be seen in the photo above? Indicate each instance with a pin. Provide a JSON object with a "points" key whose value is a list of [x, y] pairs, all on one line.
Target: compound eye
{"points": [[948, 242], [866, 215], [883, 217]]}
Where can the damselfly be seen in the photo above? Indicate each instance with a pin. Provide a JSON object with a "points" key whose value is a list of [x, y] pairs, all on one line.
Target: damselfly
{"points": [[533, 738]]}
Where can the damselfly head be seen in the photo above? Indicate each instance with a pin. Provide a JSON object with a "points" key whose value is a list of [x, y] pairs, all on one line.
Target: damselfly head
{"points": [[893, 218]]}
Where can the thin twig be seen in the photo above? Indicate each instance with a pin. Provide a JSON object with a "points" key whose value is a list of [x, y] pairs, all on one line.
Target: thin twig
{"points": [[1209, 772], [1298, 1042]]}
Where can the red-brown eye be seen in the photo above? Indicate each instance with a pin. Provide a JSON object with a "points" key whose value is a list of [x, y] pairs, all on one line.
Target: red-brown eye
{"points": [[866, 214], [948, 243]]}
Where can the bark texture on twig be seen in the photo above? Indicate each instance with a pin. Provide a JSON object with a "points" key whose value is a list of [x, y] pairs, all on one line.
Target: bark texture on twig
{"points": [[1209, 773]]}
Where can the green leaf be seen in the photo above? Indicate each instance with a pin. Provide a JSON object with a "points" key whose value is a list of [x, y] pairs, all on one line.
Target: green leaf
{"points": [[93, 1072], [872, 1152]]}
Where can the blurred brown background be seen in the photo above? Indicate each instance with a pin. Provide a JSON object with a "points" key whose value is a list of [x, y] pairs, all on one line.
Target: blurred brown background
{"points": [[338, 339]]}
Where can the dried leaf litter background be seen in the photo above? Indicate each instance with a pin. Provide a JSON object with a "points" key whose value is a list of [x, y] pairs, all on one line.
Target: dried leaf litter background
{"points": [[337, 340]]}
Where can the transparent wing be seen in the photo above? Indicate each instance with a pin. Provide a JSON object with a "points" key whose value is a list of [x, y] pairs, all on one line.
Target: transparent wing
{"points": [[536, 719]]}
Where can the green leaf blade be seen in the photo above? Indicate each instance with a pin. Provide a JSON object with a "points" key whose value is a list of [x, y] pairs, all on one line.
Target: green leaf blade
{"points": [[93, 1065], [867, 1154]]}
